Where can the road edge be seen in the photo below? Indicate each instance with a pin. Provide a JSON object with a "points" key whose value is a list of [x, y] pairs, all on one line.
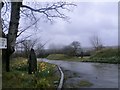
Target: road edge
{"points": [[61, 79], [61, 76]]}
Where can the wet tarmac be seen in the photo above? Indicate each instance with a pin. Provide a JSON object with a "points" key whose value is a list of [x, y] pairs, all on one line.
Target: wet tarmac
{"points": [[101, 75]]}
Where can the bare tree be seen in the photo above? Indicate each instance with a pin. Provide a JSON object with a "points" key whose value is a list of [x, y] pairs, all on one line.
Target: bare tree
{"points": [[73, 49], [68, 50], [40, 51], [76, 47], [28, 44], [96, 42], [50, 11]]}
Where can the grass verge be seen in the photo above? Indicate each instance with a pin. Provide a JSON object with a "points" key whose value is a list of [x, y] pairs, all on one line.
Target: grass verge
{"points": [[18, 77], [101, 56]]}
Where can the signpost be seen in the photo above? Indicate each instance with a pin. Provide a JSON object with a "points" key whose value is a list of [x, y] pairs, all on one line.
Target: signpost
{"points": [[3, 43]]}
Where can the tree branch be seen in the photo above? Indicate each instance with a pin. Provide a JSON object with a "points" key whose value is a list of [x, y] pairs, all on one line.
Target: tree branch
{"points": [[23, 39], [54, 7], [21, 31]]}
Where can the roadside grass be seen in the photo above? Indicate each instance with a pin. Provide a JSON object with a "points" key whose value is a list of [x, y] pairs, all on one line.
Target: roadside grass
{"points": [[58, 57], [68, 58], [101, 56], [63, 57], [18, 77]]}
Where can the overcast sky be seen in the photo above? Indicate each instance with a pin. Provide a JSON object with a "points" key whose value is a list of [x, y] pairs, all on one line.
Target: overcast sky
{"points": [[86, 20]]}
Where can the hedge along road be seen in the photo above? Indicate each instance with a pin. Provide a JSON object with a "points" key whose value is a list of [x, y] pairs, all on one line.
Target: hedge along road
{"points": [[101, 75]]}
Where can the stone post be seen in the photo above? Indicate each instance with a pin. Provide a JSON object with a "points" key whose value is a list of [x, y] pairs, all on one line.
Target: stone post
{"points": [[32, 61]]}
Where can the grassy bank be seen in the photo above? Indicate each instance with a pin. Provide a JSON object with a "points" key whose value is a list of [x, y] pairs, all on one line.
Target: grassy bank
{"points": [[19, 78], [58, 57], [106, 56], [65, 57], [102, 56]]}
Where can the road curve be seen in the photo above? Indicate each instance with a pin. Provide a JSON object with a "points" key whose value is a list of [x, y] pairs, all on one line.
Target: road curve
{"points": [[100, 74]]}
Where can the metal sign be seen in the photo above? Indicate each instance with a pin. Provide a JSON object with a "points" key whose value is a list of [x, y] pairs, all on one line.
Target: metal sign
{"points": [[3, 43]]}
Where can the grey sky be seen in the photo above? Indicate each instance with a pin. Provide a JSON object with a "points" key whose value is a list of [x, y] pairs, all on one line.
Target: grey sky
{"points": [[86, 20]]}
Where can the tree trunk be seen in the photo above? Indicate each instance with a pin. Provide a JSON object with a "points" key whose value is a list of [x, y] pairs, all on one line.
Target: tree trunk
{"points": [[13, 30]]}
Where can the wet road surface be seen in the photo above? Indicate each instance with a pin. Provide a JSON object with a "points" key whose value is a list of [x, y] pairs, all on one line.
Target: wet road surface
{"points": [[101, 75]]}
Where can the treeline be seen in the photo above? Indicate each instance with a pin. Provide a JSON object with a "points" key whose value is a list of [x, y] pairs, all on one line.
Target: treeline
{"points": [[73, 49]]}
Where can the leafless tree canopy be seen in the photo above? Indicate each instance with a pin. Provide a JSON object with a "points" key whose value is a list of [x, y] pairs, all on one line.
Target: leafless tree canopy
{"points": [[12, 12], [49, 11], [96, 42]]}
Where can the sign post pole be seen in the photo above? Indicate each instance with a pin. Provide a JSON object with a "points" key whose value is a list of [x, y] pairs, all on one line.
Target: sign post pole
{"points": [[3, 45]]}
